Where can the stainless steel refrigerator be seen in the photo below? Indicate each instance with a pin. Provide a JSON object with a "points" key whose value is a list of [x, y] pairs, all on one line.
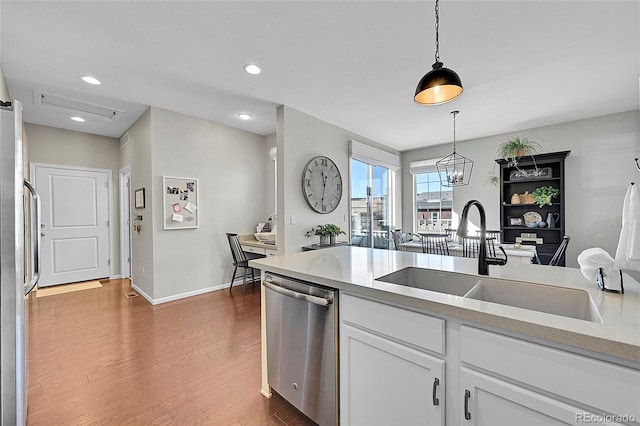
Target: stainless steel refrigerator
{"points": [[19, 265]]}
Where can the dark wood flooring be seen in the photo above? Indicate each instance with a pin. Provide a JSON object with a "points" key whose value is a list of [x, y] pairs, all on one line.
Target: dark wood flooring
{"points": [[97, 357]]}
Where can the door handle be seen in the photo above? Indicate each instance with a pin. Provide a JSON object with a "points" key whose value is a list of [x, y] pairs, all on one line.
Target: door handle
{"points": [[434, 398], [467, 396], [321, 301], [35, 232]]}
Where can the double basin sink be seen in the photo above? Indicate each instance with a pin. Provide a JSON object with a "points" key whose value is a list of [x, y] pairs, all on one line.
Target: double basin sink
{"points": [[566, 302]]}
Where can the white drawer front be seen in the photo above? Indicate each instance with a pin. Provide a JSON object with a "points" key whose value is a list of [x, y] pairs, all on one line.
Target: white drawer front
{"points": [[598, 384], [408, 326], [251, 249]]}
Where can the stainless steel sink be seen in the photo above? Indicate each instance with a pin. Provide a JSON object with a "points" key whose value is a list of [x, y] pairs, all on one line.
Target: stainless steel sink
{"points": [[429, 279], [562, 301]]}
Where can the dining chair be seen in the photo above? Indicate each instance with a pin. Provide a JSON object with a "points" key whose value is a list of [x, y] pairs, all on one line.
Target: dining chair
{"points": [[239, 261], [436, 244], [560, 251], [491, 234], [471, 246], [452, 234]]}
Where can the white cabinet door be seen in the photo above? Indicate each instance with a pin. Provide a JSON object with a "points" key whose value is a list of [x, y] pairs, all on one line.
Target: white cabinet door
{"points": [[386, 383], [488, 401]]}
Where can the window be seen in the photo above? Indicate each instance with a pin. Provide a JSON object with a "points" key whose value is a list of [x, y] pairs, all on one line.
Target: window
{"points": [[372, 174], [433, 202]]}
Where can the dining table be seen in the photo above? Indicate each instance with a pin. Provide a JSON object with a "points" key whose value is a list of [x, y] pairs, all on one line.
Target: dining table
{"points": [[515, 252]]}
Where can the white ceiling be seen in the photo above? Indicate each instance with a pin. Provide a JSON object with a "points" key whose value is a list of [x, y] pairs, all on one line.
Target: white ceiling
{"points": [[355, 64]]}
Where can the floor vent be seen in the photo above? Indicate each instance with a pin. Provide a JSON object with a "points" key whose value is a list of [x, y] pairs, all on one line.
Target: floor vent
{"points": [[77, 107], [130, 294]]}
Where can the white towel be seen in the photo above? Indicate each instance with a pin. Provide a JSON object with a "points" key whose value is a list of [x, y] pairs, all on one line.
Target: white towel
{"points": [[628, 251], [593, 259]]}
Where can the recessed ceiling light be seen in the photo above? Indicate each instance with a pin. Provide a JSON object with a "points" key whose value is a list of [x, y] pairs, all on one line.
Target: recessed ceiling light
{"points": [[78, 119], [252, 69], [91, 80], [245, 116]]}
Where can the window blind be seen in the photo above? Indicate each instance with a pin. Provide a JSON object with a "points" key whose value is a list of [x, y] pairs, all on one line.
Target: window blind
{"points": [[423, 166], [375, 156]]}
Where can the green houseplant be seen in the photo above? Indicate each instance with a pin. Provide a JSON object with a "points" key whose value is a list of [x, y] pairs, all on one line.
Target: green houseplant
{"points": [[327, 233], [544, 194], [515, 148]]}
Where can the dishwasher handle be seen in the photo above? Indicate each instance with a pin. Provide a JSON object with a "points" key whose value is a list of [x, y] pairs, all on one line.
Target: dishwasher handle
{"points": [[321, 301]]}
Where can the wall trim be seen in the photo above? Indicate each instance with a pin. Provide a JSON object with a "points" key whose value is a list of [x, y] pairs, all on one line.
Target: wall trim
{"points": [[179, 296]]}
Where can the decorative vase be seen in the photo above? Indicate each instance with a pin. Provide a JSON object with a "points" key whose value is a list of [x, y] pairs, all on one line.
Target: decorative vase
{"points": [[552, 218], [332, 239], [324, 240], [515, 199], [542, 224]]}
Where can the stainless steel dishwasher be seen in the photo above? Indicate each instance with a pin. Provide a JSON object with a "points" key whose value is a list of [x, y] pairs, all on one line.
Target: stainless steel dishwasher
{"points": [[302, 346]]}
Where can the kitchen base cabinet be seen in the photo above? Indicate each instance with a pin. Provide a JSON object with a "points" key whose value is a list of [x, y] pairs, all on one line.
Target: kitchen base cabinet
{"points": [[388, 374], [386, 380], [489, 401], [387, 383]]}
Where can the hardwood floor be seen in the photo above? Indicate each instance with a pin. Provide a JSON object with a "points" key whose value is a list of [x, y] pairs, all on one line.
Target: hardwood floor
{"points": [[98, 357]]}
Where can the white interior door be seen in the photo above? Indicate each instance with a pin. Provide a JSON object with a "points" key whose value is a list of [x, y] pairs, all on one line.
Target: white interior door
{"points": [[75, 224]]}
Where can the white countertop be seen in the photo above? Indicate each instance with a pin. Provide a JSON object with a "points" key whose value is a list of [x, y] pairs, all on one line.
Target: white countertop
{"points": [[355, 269]]}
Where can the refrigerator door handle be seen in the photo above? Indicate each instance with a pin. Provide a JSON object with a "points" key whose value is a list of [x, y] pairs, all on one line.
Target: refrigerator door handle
{"points": [[35, 232]]}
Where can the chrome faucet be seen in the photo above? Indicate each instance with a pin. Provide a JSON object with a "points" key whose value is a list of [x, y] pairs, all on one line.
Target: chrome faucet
{"points": [[483, 260]]}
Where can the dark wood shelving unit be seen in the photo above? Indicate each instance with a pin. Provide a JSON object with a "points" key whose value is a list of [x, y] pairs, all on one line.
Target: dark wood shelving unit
{"points": [[552, 237]]}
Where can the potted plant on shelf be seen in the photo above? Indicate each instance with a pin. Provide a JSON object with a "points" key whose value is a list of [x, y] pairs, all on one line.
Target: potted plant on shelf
{"points": [[544, 194], [327, 233], [517, 147]]}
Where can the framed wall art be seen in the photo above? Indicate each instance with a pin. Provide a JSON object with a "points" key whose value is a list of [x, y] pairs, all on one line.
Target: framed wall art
{"points": [[180, 202], [139, 198]]}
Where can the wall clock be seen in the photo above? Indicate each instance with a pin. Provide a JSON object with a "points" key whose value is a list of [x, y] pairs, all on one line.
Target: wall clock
{"points": [[322, 184]]}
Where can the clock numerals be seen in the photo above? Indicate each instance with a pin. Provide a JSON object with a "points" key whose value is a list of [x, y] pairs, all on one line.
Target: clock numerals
{"points": [[308, 182], [339, 186], [324, 208], [324, 162]]}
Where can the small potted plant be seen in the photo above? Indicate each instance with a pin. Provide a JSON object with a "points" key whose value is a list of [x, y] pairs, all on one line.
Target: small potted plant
{"points": [[334, 231], [515, 148], [544, 194], [327, 233]]}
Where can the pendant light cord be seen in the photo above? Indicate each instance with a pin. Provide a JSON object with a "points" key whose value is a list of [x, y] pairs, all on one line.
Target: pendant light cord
{"points": [[437, 30], [454, 129]]}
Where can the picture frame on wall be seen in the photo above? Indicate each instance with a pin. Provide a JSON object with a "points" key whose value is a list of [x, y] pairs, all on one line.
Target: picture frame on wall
{"points": [[139, 198], [180, 201]]}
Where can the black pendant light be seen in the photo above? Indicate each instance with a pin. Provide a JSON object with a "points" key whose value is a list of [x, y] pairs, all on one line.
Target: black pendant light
{"points": [[454, 169], [441, 84]]}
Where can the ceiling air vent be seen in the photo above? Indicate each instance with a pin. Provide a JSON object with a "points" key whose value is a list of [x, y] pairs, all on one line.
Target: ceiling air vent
{"points": [[76, 106], [124, 140]]}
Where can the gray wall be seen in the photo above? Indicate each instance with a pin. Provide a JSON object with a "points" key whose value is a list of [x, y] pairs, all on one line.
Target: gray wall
{"points": [[69, 148], [598, 172], [269, 185], [137, 155], [230, 167], [4, 92], [301, 137]]}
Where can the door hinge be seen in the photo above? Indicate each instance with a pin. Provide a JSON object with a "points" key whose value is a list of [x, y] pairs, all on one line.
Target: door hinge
{"points": [[129, 259], [107, 224], [127, 184], [109, 262]]}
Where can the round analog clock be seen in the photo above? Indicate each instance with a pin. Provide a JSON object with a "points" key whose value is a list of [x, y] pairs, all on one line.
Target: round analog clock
{"points": [[322, 184]]}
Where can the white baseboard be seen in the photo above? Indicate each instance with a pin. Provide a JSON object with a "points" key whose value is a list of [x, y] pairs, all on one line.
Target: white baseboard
{"points": [[187, 294], [115, 277]]}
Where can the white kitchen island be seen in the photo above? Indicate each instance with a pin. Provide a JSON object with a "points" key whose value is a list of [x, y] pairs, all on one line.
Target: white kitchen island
{"points": [[470, 358]]}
